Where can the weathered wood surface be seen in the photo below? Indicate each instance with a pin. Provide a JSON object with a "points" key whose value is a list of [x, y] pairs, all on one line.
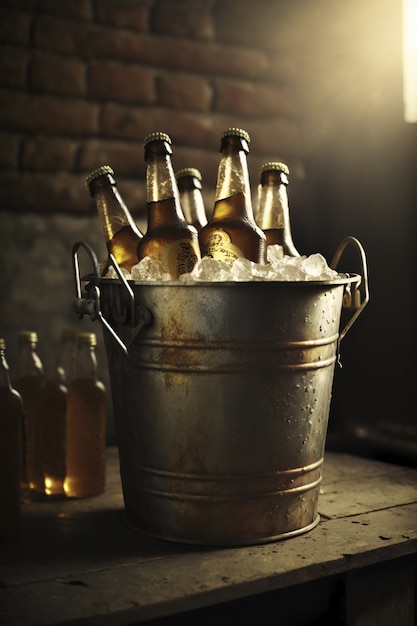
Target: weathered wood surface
{"points": [[77, 562]]}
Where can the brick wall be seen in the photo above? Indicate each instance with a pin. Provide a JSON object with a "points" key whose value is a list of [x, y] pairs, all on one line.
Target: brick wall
{"points": [[84, 82]]}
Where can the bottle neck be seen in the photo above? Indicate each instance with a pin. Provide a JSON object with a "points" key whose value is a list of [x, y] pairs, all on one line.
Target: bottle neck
{"points": [[233, 180], [273, 209], [65, 365], [4, 371], [193, 206], [28, 363], [86, 362], [112, 211], [162, 191]]}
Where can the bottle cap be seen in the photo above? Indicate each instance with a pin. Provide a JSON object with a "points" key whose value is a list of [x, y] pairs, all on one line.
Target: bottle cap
{"points": [[238, 132], [2, 344], [158, 136], [28, 336], [88, 339], [189, 171], [274, 165], [103, 169]]}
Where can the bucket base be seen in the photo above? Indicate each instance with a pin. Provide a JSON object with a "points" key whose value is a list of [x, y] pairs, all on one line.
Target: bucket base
{"points": [[237, 542]]}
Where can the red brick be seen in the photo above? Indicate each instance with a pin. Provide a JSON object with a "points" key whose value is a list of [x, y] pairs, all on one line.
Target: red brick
{"points": [[124, 14], [43, 193], [110, 43], [24, 112], [60, 75], [185, 128], [59, 35], [13, 66], [46, 153], [184, 18], [254, 99], [187, 92], [79, 10], [121, 83], [125, 158], [9, 150], [14, 27]]}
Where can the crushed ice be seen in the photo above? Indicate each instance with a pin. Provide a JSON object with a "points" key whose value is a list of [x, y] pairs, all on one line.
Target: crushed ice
{"points": [[279, 267]]}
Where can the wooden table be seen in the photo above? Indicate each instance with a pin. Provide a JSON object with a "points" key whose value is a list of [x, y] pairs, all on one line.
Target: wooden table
{"points": [[78, 563]]}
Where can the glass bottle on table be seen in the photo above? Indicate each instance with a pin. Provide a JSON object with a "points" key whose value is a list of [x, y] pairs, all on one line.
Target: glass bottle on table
{"points": [[232, 232], [189, 182], [30, 378], [273, 214], [11, 428], [169, 238], [120, 231], [86, 425], [51, 415]]}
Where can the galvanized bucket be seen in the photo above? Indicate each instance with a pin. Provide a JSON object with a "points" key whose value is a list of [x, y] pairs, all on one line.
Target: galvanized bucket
{"points": [[221, 396]]}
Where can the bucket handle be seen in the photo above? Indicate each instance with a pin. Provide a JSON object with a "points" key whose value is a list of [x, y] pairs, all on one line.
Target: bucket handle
{"points": [[92, 306], [356, 295]]}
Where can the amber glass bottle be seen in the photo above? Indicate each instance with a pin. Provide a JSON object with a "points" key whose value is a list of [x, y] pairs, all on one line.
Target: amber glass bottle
{"points": [[273, 214], [30, 379], [189, 182], [11, 427], [86, 425], [232, 232], [51, 416], [120, 231], [169, 238]]}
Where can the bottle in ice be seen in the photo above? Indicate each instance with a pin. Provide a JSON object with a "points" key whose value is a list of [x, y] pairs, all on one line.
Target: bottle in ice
{"points": [[120, 231], [232, 232], [273, 214], [51, 415], [169, 238], [30, 378], [11, 428], [189, 182], [85, 425]]}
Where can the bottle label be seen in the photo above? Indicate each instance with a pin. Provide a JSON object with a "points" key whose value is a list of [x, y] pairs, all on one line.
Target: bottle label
{"points": [[219, 246], [179, 257]]}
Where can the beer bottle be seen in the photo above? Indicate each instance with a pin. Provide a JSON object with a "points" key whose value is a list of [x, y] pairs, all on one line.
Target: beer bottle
{"points": [[232, 233], [169, 238], [51, 416], [86, 425], [120, 231], [30, 379], [273, 214], [11, 427], [191, 197]]}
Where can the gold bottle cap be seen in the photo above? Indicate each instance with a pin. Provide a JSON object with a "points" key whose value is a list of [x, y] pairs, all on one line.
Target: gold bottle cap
{"points": [[28, 336], [158, 136], [103, 169], [274, 165], [189, 171], [238, 132], [89, 339], [2, 344]]}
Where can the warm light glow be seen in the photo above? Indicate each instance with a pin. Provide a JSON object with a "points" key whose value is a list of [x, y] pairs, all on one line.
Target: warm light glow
{"points": [[410, 60]]}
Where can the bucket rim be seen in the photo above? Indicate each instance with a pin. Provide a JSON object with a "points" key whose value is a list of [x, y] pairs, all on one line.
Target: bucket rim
{"points": [[334, 282]]}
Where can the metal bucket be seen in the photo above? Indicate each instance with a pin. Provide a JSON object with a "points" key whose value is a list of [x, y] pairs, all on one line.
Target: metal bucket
{"points": [[221, 396]]}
